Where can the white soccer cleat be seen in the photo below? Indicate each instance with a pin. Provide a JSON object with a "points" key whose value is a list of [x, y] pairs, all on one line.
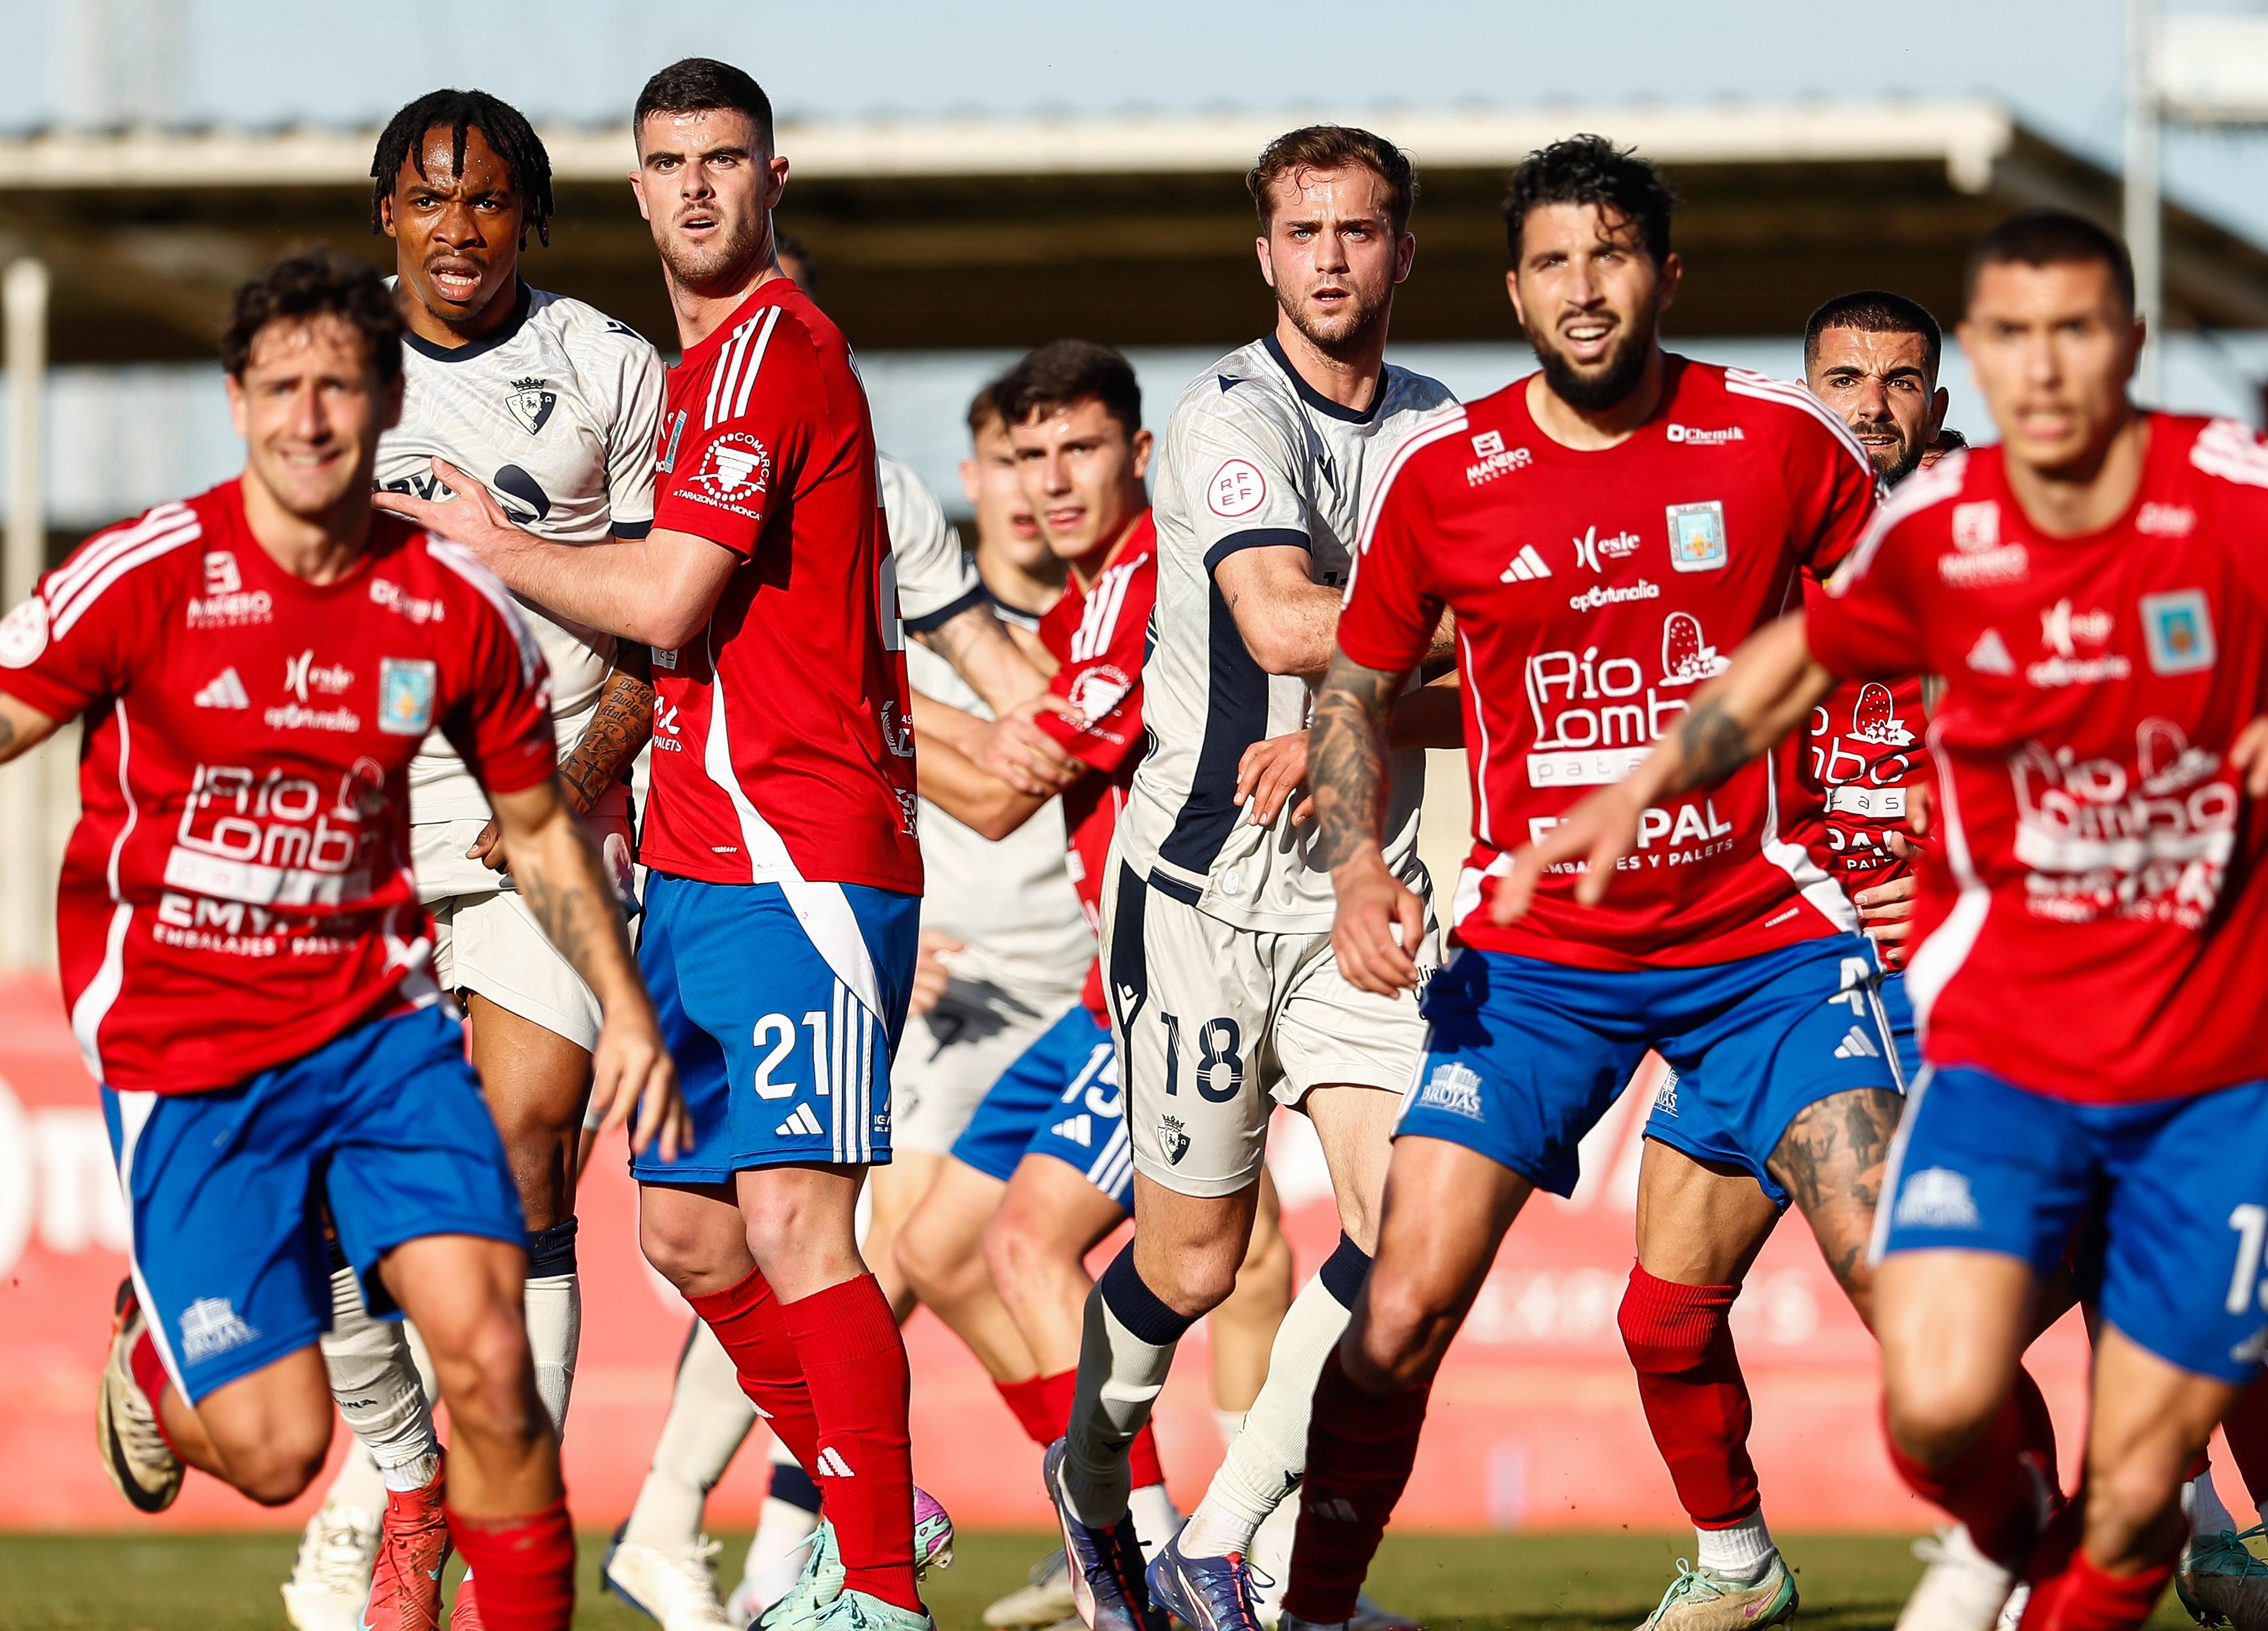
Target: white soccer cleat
{"points": [[1961, 1590], [141, 1463], [1045, 1601], [331, 1576], [676, 1593]]}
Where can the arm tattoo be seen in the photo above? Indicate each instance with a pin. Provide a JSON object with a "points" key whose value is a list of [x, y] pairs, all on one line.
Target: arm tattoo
{"points": [[1714, 742], [1831, 1161], [574, 908], [619, 727], [1346, 756], [7, 733]]}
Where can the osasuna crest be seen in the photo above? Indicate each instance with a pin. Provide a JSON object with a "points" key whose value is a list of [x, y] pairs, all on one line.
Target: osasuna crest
{"points": [[531, 405], [1172, 1139]]}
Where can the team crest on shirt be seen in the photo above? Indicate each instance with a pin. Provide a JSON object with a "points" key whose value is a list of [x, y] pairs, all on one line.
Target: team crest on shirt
{"points": [[736, 471], [1875, 718], [531, 405], [2177, 629], [1172, 1139], [24, 633], [1096, 692], [1697, 536], [405, 696]]}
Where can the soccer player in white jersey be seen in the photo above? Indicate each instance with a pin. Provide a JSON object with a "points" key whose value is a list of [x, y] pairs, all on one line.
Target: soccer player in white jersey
{"points": [[556, 409], [1224, 997]]}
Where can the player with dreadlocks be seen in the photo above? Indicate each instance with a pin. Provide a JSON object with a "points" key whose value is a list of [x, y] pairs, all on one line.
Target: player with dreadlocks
{"points": [[555, 407]]}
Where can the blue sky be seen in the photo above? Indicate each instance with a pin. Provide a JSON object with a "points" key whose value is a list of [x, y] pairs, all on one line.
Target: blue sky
{"points": [[264, 63]]}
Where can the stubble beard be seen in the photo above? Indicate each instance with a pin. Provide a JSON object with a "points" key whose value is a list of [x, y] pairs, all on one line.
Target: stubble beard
{"points": [[719, 262], [1600, 389], [1348, 335]]}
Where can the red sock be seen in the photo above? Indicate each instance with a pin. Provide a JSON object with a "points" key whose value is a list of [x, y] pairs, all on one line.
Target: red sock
{"points": [[1142, 1466], [1360, 1453], [748, 1320], [2246, 1426], [150, 1376], [2082, 1598], [860, 1388], [525, 1566], [1994, 1486], [1679, 1338], [1027, 1402]]}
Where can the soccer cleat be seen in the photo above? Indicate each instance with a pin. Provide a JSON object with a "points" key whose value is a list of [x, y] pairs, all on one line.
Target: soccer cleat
{"points": [[1368, 1616], [821, 1585], [1045, 1601], [1961, 1590], [2011, 1611], [855, 1611], [413, 1549], [330, 1579], [1107, 1590], [676, 1593], [1204, 1593], [1702, 1599], [134, 1453], [933, 1534], [466, 1616], [2221, 1583]]}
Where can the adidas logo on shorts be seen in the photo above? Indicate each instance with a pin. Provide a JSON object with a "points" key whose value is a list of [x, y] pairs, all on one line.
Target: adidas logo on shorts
{"points": [[1078, 1130], [802, 1123], [1858, 1045]]}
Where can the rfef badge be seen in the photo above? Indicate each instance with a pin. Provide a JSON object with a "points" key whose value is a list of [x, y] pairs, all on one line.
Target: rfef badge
{"points": [[1697, 536], [405, 696], [2177, 629]]}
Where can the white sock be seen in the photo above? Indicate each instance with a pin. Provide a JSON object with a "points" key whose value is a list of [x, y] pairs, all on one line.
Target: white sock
{"points": [[1155, 1520], [358, 1485], [1272, 1559], [1269, 1457], [554, 1310], [1228, 1423], [2207, 1514], [708, 1418], [376, 1381], [1741, 1551], [783, 1529]]}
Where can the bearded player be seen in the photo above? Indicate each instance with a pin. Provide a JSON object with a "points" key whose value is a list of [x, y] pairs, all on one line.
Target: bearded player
{"points": [[2093, 595], [245, 959], [1226, 999], [1600, 531], [781, 832]]}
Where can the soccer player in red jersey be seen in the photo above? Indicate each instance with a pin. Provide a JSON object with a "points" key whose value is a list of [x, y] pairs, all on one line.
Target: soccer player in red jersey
{"points": [[2093, 593], [784, 880], [1703, 1211], [247, 965], [1603, 532]]}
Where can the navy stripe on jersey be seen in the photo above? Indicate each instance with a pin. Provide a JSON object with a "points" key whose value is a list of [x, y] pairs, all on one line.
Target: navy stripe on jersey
{"points": [[1258, 538], [946, 613], [1235, 718]]}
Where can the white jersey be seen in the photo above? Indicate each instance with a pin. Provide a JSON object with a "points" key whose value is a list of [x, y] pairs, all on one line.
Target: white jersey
{"points": [[1253, 456], [559, 413], [937, 580]]}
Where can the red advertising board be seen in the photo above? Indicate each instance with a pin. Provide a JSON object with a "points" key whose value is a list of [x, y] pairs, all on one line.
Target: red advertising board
{"points": [[1534, 1424]]}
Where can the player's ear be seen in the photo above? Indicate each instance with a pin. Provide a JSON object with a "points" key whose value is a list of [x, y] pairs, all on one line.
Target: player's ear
{"points": [[1405, 254], [1938, 404], [1512, 288], [1144, 444], [236, 406], [1673, 271], [969, 483], [637, 191], [775, 181], [386, 215], [1267, 261]]}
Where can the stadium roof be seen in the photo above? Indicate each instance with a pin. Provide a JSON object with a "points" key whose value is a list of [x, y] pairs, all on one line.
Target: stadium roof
{"points": [[989, 230]]}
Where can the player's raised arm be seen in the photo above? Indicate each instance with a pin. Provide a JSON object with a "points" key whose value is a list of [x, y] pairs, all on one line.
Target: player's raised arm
{"points": [[1773, 685]]}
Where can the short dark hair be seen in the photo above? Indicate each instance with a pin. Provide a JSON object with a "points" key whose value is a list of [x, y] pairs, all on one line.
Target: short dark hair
{"points": [[1334, 147], [787, 246], [984, 409], [1874, 310], [1065, 372], [1948, 440], [321, 283], [507, 130], [1591, 170], [696, 84], [2051, 238]]}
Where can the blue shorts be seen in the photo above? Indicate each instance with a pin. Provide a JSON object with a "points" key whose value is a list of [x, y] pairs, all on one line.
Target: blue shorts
{"points": [[1523, 1056], [1684, 1122], [226, 1189], [782, 1017], [1982, 1165], [1060, 1098]]}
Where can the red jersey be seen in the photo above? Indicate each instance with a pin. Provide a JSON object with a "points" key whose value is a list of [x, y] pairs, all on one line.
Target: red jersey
{"points": [[1862, 750], [1097, 634], [2093, 929], [1595, 592], [782, 745], [238, 890]]}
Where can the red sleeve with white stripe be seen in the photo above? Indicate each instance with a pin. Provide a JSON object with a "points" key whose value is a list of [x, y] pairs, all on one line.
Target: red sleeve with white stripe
{"points": [[500, 722], [1102, 673], [767, 394], [77, 638], [1391, 612]]}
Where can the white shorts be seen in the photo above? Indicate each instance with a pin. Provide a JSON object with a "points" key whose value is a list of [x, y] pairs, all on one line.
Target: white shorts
{"points": [[486, 939], [1217, 1025], [950, 1057]]}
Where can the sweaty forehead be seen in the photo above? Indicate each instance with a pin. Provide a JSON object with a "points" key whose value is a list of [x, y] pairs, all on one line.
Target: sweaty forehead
{"points": [[432, 158], [702, 130], [1353, 190], [1872, 351]]}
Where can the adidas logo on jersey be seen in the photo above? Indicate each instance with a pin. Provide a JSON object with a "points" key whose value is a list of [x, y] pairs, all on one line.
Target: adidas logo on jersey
{"points": [[1858, 1045], [225, 691], [1078, 1130], [1990, 655], [831, 1465], [1527, 567], [803, 1123]]}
